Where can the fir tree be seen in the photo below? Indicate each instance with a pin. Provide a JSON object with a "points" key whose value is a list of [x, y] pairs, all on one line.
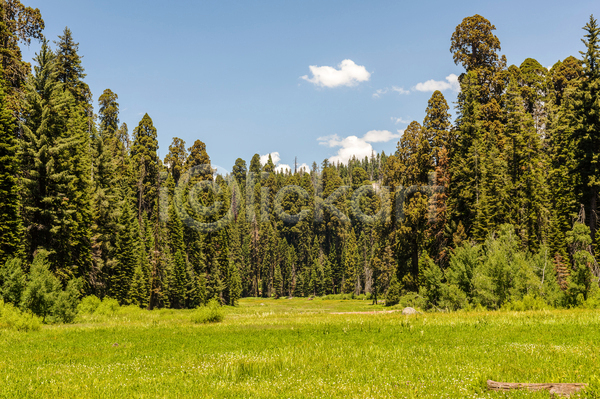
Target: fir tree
{"points": [[10, 219], [587, 124], [69, 68], [56, 172], [126, 256], [144, 160]]}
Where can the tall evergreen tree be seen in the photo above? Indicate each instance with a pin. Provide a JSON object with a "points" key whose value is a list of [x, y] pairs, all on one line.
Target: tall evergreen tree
{"points": [[127, 259], [69, 68], [10, 219], [56, 172], [144, 161], [586, 133], [17, 24]]}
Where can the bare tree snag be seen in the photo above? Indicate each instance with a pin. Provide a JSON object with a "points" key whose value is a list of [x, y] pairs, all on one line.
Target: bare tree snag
{"points": [[564, 390]]}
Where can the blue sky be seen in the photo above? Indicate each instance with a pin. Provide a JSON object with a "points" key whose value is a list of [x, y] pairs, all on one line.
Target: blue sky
{"points": [[230, 72]]}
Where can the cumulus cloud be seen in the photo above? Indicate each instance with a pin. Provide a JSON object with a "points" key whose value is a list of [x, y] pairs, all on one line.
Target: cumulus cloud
{"points": [[304, 167], [379, 136], [347, 74], [282, 168], [400, 90], [355, 146], [274, 156], [451, 82], [400, 120]]}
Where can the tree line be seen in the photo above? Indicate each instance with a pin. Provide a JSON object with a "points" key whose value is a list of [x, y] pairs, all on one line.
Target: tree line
{"points": [[512, 213]]}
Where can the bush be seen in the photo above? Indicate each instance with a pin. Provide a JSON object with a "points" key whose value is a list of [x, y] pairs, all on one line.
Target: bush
{"points": [[64, 309], [42, 289], [11, 318], [211, 313], [13, 281], [528, 302], [108, 307], [413, 300], [89, 304]]}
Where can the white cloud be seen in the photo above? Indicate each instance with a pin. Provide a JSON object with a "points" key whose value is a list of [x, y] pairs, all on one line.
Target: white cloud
{"points": [[355, 146], [282, 168], [400, 90], [304, 166], [433, 85], [348, 74], [400, 120], [274, 156], [379, 136]]}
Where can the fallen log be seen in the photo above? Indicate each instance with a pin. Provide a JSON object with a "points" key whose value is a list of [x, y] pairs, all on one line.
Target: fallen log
{"points": [[554, 388]]}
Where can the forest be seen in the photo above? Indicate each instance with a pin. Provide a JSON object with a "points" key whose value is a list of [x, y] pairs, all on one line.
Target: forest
{"points": [[496, 208]]}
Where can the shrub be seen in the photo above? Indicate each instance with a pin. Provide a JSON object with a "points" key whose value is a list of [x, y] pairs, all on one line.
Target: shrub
{"points": [[13, 281], [12, 318], [42, 289], [413, 300], [108, 307], [89, 304], [211, 313], [64, 309], [529, 302]]}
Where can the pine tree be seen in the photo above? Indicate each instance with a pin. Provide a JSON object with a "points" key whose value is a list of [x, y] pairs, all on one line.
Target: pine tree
{"points": [[177, 281], [351, 283], [10, 220], [126, 256], [138, 292], [109, 121], [234, 288], [175, 159], [587, 124], [18, 24], [436, 124], [69, 68], [56, 172], [104, 215], [144, 160]]}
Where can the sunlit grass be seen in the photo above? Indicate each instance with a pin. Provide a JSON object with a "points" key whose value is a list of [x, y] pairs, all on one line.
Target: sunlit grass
{"points": [[295, 348]]}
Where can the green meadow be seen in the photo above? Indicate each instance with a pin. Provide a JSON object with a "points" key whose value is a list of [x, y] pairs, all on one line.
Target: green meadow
{"points": [[299, 348]]}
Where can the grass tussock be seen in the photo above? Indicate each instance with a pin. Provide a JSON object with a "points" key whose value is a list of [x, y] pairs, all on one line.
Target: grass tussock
{"points": [[211, 313]]}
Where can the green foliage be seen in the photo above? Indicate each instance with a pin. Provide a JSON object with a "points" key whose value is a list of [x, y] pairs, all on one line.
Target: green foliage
{"points": [[43, 288], [10, 221], [433, 276], [88, 304], [12, 281], [210, 313], [67, 301], [108, 307], [11, 318], [393, 294], [527, 303]]}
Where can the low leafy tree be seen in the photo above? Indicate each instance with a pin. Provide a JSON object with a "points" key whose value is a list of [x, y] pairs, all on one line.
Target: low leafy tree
{"points": [[581, 279], [12, 281], [65, 307], [43, 287]]}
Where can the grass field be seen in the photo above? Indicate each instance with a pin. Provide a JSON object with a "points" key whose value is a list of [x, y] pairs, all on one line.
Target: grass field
{"points": [[296, 348]]}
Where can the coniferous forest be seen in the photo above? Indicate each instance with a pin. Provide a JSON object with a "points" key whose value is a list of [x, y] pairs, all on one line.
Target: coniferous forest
{"points": [[497, 207]]}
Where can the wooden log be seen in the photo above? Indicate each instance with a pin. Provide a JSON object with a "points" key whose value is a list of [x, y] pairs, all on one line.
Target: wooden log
{"points": [[564, 390]]}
